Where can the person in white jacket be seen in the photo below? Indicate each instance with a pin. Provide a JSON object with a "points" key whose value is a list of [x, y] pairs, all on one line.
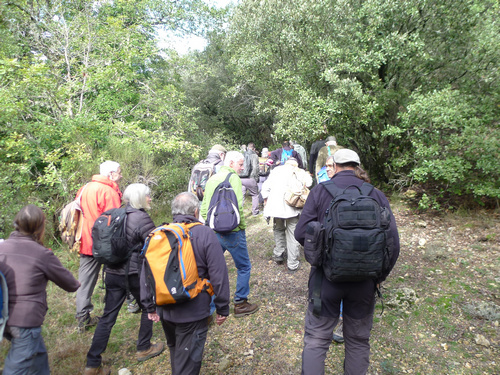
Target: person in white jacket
{"points": [[285, 217]]}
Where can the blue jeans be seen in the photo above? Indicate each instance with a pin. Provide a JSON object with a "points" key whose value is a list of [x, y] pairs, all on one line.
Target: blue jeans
{"points": [[27, 354], [236, 244]]}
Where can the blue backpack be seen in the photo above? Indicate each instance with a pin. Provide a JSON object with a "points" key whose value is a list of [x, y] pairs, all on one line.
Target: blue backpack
{"points": [[285, 155], [4, 304], [223, 213], [323, 175]]}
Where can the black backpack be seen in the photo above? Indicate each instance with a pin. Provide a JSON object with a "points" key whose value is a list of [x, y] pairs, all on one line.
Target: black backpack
{"points": [[223, 212], [355, 235], [109, 238], [247, 165]]}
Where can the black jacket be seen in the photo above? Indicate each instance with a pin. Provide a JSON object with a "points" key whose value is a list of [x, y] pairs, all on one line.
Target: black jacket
{"points": [[139, 225]]}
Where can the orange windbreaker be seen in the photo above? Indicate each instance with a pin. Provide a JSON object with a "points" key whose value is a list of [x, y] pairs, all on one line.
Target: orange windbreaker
{"points": [[100, 195]]}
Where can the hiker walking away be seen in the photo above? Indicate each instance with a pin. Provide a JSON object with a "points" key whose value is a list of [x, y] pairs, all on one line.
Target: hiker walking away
{"points": [[264, 170], [28, 266], [250, 176], [313, 154], [235, 241], [281, 155], [329, 149], [203, 170], [186, 324], [98, 196], [338, 334], [285, 217], [302, 152], [358, 297], [123, 278]]}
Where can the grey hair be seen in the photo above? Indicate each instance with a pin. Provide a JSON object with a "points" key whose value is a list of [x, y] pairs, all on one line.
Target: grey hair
{"points": [[135, 195], [185, 203], [329, 158], [107, 167], [232, 156]]}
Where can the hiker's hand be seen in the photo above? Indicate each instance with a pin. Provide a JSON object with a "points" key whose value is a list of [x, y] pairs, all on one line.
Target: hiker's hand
{"points": [[154, 317], [220, 319]]}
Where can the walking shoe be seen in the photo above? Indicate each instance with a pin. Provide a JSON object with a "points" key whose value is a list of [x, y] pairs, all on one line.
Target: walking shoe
{"points": [[338, 334], [96, 371], [133, 307], [245, 308], [86, 322], [278, 259], [293, 270], [153, 351]]}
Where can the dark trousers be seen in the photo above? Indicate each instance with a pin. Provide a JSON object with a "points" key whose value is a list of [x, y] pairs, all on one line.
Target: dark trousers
{"points": [[116, 292], [186, 342], [358, 300]]}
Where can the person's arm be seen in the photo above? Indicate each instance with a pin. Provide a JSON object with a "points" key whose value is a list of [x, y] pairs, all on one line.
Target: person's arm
{"points": [[56, 273], [309, 213], [217, 270]]}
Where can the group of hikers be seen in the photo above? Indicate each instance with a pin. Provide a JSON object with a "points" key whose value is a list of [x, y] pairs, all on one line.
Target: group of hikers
{"points": [[343, 224]]}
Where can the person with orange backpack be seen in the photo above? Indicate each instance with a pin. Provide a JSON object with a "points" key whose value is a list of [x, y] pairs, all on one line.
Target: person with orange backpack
{"points": [[179, 296]]}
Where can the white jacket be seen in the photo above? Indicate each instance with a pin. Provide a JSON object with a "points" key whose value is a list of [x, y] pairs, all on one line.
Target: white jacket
{"points": [[274, 188]]}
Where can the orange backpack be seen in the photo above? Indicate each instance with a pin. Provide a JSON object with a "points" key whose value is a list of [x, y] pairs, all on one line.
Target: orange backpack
{"points": [[170, 266]]}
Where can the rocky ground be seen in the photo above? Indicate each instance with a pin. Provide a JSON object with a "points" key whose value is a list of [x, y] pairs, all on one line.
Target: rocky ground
{"points": [[441, 316]]}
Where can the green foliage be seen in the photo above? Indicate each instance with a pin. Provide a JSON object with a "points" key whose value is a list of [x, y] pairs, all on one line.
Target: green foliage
{"points": [[413, 86], [83, 82]]}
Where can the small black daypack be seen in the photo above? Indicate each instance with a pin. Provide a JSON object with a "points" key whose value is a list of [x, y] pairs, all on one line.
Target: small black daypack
{"points": [[355, 230], [223, 212], [109, 238]]}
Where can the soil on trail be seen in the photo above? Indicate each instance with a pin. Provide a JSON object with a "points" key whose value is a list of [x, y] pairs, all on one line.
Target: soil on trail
{"points": [[449, 262]]}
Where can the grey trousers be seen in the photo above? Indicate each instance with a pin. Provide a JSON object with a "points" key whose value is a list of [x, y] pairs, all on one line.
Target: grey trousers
{"points": [[88, 273], [250, 185], [285, 240], [318, 337]]}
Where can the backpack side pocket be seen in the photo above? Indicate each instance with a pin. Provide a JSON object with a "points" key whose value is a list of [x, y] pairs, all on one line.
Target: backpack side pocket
{"points": [[314, 243]]}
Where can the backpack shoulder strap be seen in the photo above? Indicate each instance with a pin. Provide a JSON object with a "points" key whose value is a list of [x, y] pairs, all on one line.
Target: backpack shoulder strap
{"points": [[228, 177], [366, 188], [332, 188]]}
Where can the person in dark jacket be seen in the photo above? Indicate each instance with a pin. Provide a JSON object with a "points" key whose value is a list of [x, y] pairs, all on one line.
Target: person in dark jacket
{"points": [[28, 266], [358, 297], [186, 324], [118, 282], [277, 155]]}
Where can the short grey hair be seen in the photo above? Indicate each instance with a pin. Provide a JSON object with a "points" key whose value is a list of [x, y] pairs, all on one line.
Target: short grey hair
{"points": [[185, 203], [233, 156], [107, 167], [135, 195]]}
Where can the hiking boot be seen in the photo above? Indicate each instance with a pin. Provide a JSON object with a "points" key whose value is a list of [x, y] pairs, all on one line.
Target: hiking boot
{"points": [[153, 351], [96, 371], [338, 334], [86, 322], [245, 308], [278, 259]]}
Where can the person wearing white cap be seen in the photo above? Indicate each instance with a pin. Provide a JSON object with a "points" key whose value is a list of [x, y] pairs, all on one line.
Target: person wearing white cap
{"points": [[358, 297]]}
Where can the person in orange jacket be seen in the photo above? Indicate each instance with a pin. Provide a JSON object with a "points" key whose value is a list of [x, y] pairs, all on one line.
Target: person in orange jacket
{"points": [[98, 196]]}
